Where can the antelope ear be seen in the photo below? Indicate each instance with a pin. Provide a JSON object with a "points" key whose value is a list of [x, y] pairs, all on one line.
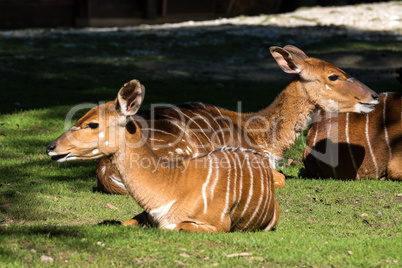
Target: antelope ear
{"points": [[296, 51], [289, 58], [130, 97]]}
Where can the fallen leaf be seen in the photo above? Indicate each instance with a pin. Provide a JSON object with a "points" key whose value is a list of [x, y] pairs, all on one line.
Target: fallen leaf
{"points": [[364, 215], [350, 252], [185, 255], [243, 254], [99, 243], [45, 258], [179, 262], [111, 206], [40, 156], [318, 189]]}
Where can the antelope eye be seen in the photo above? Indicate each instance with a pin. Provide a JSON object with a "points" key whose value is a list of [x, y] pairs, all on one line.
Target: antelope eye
{"points": [[333, 77], [93, 125]]}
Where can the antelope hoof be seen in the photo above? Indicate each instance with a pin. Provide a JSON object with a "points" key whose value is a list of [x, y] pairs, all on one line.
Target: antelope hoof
{"points": [[279, 179], [131, 222]]}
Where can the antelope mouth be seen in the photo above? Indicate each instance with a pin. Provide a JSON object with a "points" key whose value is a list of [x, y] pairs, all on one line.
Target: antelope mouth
{"points": [[368, 105], [63, 157]]}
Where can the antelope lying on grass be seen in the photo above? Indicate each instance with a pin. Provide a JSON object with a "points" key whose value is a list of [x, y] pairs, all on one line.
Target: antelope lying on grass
{"points": [[196, 129], [360, 146], [226, 190]]}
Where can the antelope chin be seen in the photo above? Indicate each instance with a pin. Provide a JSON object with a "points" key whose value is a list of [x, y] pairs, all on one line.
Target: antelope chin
{"points": [[364, 108]]}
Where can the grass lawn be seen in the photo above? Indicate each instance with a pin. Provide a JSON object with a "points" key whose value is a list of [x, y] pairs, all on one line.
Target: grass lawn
{"points": [[52, 215]]}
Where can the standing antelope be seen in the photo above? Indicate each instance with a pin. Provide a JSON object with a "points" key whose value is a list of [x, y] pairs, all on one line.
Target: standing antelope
{"points": [[226, 190], [362, 146], [196, 129]]}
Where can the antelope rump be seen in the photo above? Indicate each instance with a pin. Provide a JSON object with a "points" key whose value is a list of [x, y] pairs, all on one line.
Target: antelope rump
{"points": [[357, 146]]}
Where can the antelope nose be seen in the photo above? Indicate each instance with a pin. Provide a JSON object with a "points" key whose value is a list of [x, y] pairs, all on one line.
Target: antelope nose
{"points": [[50, 147], [375, 96]]}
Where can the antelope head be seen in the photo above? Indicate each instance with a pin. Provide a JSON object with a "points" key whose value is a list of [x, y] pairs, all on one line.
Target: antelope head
{"points": [[327, 86], [99, 132]]}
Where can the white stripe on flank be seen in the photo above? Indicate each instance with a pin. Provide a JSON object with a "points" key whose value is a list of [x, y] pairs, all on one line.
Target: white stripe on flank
{"points": [[225, 211], [223, 118], [202, 130], [188, 135], [273, 221], [235, 176], [179, 127], [329, 147], [216, 177], [263, 211], [257, 209], [152, 139], [117, 181], [274, 215], [103, 169], [192, 120], [350, 148], [240, 182], [369, 145], [220, 128], [159, 130], [316, 132], [385, 126], [250, 192], [268, 195], [203, 119], [204, 186], [200, 142], [316, 135]]}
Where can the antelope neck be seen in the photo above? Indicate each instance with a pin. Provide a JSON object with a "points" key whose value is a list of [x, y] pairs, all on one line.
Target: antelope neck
{"points": [[146, 176], [281, 123]]}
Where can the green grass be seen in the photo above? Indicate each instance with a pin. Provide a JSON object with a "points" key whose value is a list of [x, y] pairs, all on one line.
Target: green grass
{"points": [[50, 209]]}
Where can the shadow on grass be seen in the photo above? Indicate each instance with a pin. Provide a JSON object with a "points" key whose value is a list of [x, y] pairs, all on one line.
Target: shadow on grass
{"points": [[67, 69]]}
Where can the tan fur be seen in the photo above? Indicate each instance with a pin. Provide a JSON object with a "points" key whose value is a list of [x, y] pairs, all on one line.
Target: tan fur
{"points": [[373, 154], [271, 131], [225, 190]]}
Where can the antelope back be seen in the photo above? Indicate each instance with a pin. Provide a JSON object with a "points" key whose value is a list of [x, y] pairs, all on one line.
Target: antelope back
{"points": [[356, 146], [193, 129], [181, 132]]}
